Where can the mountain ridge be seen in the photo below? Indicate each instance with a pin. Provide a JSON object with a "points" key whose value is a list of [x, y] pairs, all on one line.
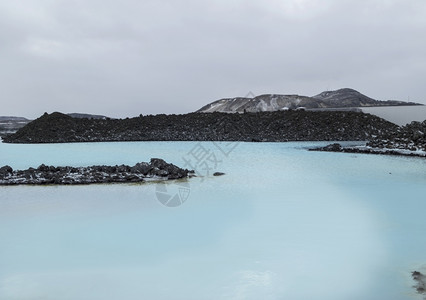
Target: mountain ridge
{"points": [[11, 124], [341, 98]]}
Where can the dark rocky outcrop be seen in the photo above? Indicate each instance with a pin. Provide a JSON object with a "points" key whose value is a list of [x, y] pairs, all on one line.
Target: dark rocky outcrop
{"points": [[5, 170], [279, 126], [409, 137], [218, 174], [408, 140], [367, 150], [155, 169], [420, 280], [10, 125], [336, 147]]}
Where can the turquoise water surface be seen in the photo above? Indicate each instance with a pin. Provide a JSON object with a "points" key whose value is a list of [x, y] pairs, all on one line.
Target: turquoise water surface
{"points": [[283, 223]]}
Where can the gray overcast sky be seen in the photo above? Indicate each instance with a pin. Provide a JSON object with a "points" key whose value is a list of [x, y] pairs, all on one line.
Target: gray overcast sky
{"points": [[123, 58]]}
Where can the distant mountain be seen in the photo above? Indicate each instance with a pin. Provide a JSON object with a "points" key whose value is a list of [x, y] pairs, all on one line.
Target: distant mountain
{"points": [[342, 98], [352, 98], [261, 103], [15, 119], [9, 125], [346, 98], [86, 116]]}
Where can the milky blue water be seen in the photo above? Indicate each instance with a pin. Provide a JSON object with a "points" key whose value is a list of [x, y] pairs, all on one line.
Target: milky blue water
{"points": [[283, 223]]}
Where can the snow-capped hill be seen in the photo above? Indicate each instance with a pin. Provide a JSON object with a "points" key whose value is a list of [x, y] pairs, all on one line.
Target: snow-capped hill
{"points": [[268, 102], [282, 102], [342, 98], [345, 98], [86, 116], [226, 105]]}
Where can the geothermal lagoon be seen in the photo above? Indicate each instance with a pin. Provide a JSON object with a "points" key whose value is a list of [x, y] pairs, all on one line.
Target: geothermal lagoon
{"points": [[282, 223]]}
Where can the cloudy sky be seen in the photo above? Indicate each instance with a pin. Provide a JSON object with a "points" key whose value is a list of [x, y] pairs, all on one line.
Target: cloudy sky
{"points": [[123, 58]]}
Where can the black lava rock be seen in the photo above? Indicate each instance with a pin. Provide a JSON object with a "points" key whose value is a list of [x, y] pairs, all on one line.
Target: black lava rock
{"points": [[420, 280], [218, 174], [6, 170], [409, 137], [156, 169], [278, 126]]}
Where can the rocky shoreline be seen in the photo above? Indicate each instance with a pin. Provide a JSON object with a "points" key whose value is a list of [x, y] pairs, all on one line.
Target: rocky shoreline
{"points": [[410, 137], [382, 137], [408, 140], [156, 169], [336, 147]]}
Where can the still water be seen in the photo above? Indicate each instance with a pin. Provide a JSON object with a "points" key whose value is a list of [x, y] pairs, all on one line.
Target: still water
{"points": [[400, 115], [283, 223]]}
